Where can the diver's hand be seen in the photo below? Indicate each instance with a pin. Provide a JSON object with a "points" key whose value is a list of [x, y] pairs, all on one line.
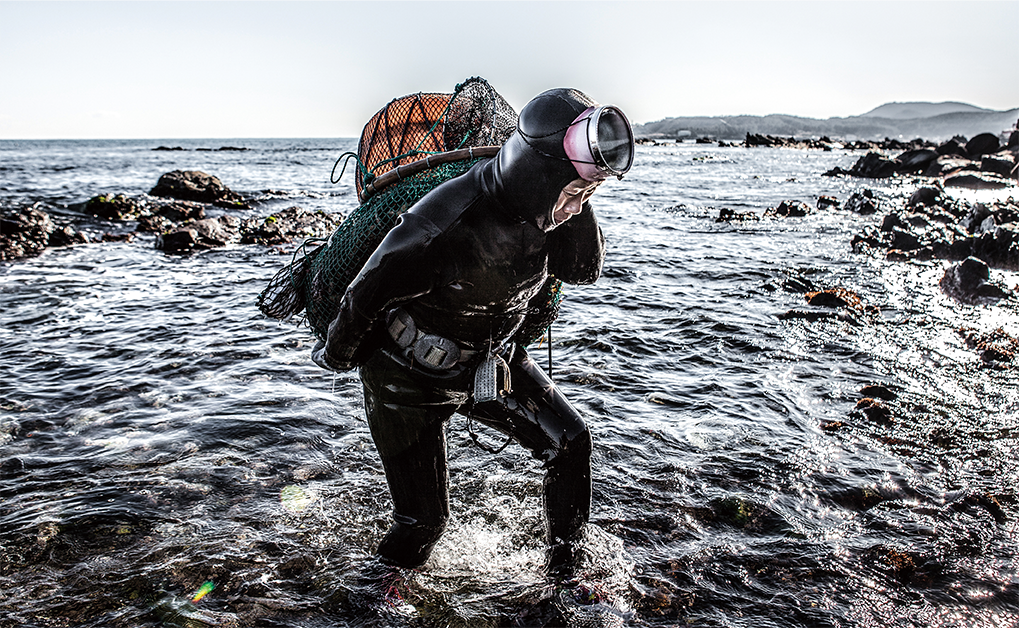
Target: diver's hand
{"points": [[320, 356]]}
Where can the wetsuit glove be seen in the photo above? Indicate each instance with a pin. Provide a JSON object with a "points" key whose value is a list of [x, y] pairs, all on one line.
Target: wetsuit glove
{"points": [[320, 356]]}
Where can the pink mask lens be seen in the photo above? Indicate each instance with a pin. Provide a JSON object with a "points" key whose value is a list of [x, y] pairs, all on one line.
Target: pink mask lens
{"points": [[599, 143]]}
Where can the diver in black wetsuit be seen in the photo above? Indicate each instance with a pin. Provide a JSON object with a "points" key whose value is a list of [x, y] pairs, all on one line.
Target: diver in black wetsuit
{"points": [[443, 295]]}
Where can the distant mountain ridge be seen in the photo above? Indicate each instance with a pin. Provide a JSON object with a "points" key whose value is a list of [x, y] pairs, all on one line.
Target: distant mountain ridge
{"points": [[930, 121], [913, 110]]}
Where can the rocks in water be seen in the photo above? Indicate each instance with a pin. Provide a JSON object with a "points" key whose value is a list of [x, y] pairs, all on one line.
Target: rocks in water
{"points": [[28, 232], [279, 228], [25, 233], [997, 348], [862, 203], [980, 163], [197, 235], [977, 181], [983, 144], [947, 164], [789, 209], [969, 282], [287, 225], [114, 207], [753, 139], [934, 226], [181, 225], [826, 202], [873, 166], [925, 197], [834, 297], [914, 161], [193, 185], [731, 215]]}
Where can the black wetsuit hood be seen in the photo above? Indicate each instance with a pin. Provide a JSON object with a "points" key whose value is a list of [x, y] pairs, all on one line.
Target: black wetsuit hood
{"points": [[531, 169]]}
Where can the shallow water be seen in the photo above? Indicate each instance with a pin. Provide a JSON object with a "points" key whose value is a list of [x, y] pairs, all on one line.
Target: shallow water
{"points": [[157, 432]]}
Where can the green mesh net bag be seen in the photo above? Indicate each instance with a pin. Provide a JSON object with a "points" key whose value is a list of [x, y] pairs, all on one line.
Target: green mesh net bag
{"points": [[408, 148]]}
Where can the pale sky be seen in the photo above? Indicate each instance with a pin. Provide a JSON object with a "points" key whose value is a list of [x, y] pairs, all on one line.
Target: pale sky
{"points": [[153, 70]]}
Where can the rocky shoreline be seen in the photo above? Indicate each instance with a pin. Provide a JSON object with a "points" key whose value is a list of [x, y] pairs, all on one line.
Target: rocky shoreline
{"points": [[176, 210]]}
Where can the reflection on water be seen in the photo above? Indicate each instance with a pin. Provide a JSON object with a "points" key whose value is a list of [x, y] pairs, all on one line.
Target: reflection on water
{"points": [[158, 434]]}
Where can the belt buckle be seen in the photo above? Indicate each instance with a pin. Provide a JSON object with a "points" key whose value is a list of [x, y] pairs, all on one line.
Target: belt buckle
{"points": [[436, 352]]}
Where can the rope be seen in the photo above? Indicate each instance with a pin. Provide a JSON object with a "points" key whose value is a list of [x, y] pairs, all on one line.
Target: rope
{"points": [[334, 180], [474, 437]]}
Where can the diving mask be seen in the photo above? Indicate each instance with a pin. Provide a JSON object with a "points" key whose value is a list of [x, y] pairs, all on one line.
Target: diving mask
{"points": [[599, 142]]}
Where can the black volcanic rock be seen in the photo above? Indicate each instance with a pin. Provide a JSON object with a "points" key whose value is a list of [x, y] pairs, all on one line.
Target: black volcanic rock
{"points": [[193, 185], [983, 144], [968, 282]]}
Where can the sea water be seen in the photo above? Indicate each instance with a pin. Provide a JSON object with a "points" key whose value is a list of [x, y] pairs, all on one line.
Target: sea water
{"points": [[158, 433]]}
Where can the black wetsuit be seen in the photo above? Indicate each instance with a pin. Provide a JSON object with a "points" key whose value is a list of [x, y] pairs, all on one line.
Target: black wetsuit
{"points": [[464, 263]]}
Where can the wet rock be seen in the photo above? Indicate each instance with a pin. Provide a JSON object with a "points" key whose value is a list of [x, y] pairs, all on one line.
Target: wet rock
{"points": [[193, 185], [999, 248], [955, 146], [789, 209], [24, 233], [730, 215], [869, 239], [978, 214], [904, 240], [288, 225], [875, 411], [925, 197], [918, 254], [983, 144], [798, 284], [873, 166], [977, 181], [1000, 164], [67, 236], [947, 164], [181, 240], [862, 203], [179, 211], [825, 202], [834, 297], [996, 348], [914, 161], [878, 391], [155, 224], [196, 235], [114, 207], [968, 282]]}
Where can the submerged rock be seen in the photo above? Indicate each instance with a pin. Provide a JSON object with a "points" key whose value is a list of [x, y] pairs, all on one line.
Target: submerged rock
{"points": [[997, 348], [24, 233], [28, 232], [862, 203], [968, 282], [789, 209]]}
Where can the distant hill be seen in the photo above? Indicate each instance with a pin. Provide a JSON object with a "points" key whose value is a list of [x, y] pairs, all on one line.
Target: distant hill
{"points": [[930, 121], [914, 110]]}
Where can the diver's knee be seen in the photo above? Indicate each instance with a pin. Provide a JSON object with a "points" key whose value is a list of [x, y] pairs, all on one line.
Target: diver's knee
{"points": [[576, 445]]}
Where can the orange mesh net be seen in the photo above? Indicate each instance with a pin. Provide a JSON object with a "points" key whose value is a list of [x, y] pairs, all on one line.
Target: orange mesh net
{"points": [[400, 132]]}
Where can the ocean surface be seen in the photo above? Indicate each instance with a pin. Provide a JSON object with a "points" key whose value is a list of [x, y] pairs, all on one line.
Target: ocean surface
{"points": [[158, 433]]}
